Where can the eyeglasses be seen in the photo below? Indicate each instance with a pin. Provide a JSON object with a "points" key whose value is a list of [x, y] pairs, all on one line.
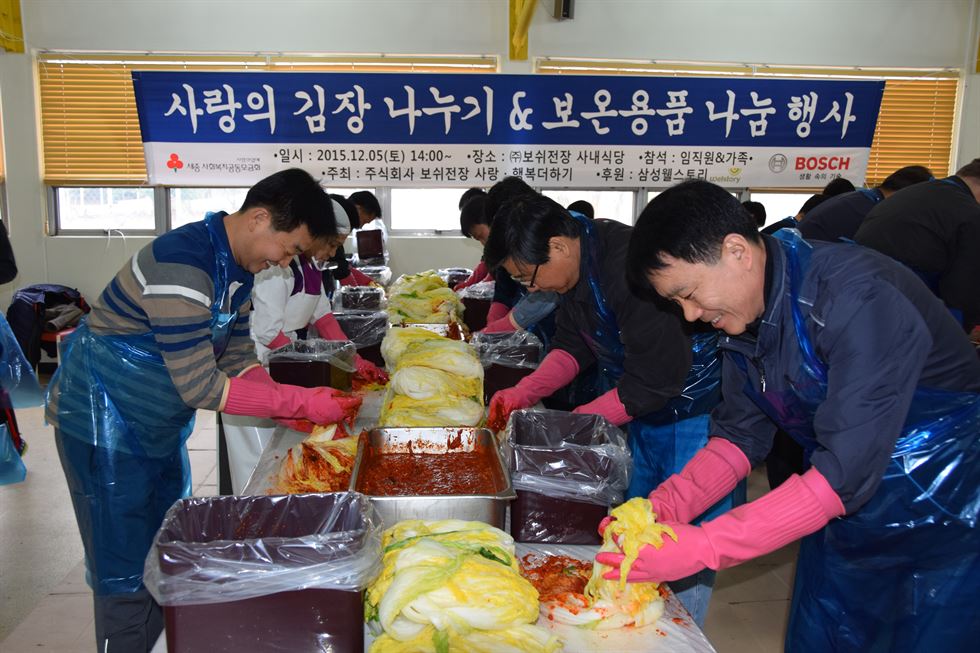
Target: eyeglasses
{"points": [[528, 283]]}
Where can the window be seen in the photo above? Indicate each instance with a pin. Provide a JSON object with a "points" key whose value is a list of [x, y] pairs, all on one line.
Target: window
{"points": [[192, 204], [915, 123], [780, 205], [915, 127], [425, 209], [102, 208], [608, 204]]}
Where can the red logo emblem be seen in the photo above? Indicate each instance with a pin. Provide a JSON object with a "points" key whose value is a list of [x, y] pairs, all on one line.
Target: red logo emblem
{"points": [[175, 163]]}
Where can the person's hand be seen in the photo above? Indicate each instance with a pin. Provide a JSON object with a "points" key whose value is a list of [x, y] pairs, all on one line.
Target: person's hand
{"points": [[330, 406], [800, 506], [301, 425], [502, 404], [608, 519], [369, 373], [690, 554]]}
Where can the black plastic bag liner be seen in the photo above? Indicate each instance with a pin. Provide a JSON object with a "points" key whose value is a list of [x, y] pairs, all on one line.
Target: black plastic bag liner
{"points": [[568, 456], [229, 548], [380, 274], [482, 290], [452, 276], [517, 349], [359, 298], [363, 328], [339, 353]]}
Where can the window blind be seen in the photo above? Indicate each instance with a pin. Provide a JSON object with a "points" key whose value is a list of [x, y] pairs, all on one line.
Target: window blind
{"points": [[915, 123], [89, 126]]}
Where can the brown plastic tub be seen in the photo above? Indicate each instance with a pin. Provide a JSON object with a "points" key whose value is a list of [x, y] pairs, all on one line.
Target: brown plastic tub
{"points": [[475, 313], [536, 516], [370, 244], [361, 298], [313, 364], [304, 621], [366, 329], [509, 363]]}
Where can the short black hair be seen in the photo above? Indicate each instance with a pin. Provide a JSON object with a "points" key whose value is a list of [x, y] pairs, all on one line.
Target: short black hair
{"points": [[583, 207], [469, 194], [971, 169], [838, 186], [689, 222], [367, 201], [348, 207], [293, 198], [812, 202], [757, 211], [905, 177], [504, 190], [523, 228], [473, 214]]}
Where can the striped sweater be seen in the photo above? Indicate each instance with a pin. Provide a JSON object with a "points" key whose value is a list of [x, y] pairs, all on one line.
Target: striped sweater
{"points": [[167, 289]]}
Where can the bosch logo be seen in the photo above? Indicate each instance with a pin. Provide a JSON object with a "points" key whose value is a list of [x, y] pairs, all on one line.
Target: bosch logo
{"points": [[823, 162], [778, 163]]}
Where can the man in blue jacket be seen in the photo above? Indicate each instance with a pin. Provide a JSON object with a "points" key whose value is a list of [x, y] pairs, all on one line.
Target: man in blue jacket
{"points": [[850, 354]]}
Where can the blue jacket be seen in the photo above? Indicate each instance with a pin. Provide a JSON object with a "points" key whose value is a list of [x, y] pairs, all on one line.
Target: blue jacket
{"points": [[881, 334]]}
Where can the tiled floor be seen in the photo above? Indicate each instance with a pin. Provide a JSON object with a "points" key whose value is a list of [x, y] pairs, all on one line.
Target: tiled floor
{"points": [[45, 604]]}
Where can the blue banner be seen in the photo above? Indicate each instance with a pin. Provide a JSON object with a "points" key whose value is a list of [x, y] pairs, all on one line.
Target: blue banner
{"points": [[261, 107], [208, 128]]}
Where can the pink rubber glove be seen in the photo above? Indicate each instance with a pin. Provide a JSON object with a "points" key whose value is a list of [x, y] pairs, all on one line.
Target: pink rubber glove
{"points": [[357, 278], [497, 311], [556, 371], [319, 405], [503, 325], [258, 374], [329, 328], [713, 472], [368, 372], [281, 340], [800, 506], [607, 405]]}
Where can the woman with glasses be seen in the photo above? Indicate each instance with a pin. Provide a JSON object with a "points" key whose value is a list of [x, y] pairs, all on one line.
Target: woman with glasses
{"points": [[651, 375]]}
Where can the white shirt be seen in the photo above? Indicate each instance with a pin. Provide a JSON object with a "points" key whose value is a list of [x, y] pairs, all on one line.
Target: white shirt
{"points": [[275, 308]]}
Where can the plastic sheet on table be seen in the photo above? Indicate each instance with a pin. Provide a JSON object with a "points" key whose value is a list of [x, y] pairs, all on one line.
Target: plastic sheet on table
{"points": [[520, 349], [220, 549], [567, 455], [675, 631], [339, 353]]}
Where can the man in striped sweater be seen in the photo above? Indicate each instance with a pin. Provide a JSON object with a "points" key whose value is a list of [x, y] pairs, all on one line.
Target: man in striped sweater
{"points": [[167, 336]]}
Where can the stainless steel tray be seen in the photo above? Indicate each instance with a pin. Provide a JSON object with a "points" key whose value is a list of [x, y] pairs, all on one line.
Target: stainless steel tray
{"points": [[487, 508]]}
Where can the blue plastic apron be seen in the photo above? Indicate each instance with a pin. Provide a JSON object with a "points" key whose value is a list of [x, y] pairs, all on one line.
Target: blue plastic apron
{"points": [[18, 389], [122, 428], [903, 572], [663, 441]]}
